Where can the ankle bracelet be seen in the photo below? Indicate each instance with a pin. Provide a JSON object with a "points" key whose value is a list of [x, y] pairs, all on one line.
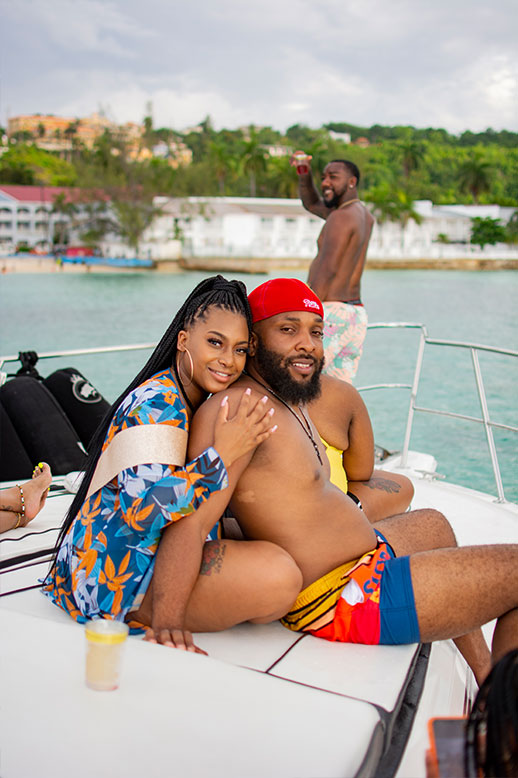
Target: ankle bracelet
{"points": [[21, 516]]}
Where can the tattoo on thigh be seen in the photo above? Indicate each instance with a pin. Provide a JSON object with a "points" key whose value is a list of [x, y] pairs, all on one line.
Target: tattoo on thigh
{"points": [[383, 484], [212, 557]]}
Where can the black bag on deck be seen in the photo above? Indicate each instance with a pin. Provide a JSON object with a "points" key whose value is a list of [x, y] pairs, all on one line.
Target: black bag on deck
{"points": [[41, 425], [82, 403], [15, 463]]}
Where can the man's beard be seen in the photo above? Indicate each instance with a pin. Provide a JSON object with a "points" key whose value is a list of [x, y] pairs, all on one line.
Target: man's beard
{"points": [[274, 370], [334, 202]]}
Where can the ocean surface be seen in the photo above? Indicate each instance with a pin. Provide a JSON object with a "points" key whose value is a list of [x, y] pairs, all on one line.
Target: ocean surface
{"points": [[53, 312]]}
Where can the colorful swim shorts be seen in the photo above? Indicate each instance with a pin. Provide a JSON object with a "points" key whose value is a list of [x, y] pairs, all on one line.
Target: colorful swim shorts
{"points": [[369, 600], [345, 326]]}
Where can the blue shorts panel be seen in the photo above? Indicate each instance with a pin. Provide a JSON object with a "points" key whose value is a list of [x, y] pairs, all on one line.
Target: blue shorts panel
{"points": [[398, 617]]}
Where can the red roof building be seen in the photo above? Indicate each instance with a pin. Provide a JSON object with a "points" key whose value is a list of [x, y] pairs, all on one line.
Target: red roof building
{"points": [[28, 216]]}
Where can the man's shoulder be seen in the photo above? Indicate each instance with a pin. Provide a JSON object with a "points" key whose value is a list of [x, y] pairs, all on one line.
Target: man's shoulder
{"points": [[233, 392], [343, 218], [335, 390]]}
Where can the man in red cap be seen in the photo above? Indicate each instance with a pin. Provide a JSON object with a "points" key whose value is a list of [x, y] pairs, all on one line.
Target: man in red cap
{"points": [[339, 414], [360, 583]]}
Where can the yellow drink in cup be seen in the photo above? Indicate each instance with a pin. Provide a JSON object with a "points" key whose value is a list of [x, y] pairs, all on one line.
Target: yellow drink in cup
{"points": [[104, 643]]}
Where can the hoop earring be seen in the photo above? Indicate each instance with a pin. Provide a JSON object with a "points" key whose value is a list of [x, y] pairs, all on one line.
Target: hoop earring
{"points": [[191, 366]]}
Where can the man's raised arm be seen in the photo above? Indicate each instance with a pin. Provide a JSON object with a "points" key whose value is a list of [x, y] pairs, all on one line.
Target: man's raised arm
{"points": [[311, 199]]}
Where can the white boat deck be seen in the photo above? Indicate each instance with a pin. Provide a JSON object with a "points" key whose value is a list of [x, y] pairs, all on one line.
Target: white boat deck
{"points": [[315, 708]]}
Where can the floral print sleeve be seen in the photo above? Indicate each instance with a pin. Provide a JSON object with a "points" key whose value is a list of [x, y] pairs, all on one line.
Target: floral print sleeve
{"points": [[106, 561]]}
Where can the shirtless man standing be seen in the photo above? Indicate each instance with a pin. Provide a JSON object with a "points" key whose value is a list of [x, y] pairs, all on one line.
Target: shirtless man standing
{"points": [[336, 272], [402, 580]]}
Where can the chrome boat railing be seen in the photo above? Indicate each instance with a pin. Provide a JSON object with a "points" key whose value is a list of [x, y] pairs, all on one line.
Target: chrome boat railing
{"points": [[485, 419], [77, 352], [413, 408]]}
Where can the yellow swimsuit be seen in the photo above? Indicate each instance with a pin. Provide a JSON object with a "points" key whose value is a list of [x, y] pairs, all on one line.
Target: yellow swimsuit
{"points": [[337, 476]]}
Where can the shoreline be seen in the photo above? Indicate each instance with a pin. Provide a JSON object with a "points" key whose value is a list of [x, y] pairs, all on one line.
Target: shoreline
{"points": [[255, 265]]}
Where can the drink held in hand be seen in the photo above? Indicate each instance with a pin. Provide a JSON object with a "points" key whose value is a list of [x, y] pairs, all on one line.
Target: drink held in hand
{"points": [[301, 159], [104, 643]]}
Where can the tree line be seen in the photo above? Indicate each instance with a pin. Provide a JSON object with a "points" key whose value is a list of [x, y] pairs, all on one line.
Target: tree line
{"points": [[398, 166]]}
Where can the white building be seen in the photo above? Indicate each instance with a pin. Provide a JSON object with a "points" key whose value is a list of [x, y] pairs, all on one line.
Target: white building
{"points": [[244, 227], [343, 137], [27, 218], [241, 227], [235, 227]]}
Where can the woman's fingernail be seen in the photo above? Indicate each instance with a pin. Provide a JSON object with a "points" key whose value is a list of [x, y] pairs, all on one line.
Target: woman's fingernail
{"points": [[265, 399], [275, 427], [224, 400], [271, 411], [248, 391]]}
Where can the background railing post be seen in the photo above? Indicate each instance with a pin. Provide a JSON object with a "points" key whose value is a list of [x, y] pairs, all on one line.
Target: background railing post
{"points": [[487, 427], [413, 395]]}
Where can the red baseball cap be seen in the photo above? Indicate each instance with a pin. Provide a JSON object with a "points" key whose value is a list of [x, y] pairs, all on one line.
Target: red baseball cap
{"points": [[280, 295]]}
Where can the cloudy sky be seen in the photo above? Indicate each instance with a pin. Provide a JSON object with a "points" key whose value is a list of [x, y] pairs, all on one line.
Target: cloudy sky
{"points": [[429, 63]]}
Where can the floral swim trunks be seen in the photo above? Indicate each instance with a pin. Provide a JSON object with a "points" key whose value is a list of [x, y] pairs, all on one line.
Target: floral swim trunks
{"points": [[345, 326], [369, 600]]}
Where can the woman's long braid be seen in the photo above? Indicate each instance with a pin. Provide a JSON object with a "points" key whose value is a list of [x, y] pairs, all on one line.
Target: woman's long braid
{"points": [[215, 291], [492, 730]]}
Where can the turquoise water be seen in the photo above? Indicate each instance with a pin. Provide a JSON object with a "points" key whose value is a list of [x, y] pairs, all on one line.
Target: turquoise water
{"points": [[59, 312]]}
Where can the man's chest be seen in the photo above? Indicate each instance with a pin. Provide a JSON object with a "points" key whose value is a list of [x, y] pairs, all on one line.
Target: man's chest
{"points": [[293, 457]]}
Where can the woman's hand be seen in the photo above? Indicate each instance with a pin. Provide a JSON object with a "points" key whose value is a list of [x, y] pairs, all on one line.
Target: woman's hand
{"points": [[176, 638], [251, 425]]}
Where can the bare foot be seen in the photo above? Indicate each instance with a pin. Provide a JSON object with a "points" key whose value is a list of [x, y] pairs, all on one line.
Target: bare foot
{"points": [[35, 491]]}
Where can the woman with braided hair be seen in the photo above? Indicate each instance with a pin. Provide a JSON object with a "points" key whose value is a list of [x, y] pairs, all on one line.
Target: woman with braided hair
{"points": [[138, 485], [492, 731], [488, 747]]}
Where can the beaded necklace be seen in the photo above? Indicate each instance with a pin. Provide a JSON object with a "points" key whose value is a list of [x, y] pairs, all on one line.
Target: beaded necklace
{"points": [[306, 426], [349, 202]]}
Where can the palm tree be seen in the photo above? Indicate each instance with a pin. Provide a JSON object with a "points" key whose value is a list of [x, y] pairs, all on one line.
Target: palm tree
{"points": [[412, 154], [96, 222], [253, 160], [65, 211], [283, 180], [221, 162], [475, 176], [383, 200], [405, 209], [133, 214], [148, 138], [393, 204]]}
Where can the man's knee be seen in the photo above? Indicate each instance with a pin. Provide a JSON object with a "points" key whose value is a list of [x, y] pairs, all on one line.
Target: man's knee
{"points": [[407, 489], [439, 529]]}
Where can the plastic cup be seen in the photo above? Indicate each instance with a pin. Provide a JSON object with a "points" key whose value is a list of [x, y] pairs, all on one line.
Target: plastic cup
{"points": [[301, 160], [104, 643]]}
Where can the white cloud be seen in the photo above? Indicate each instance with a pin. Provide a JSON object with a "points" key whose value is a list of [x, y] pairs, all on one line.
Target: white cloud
{"points": [[124, 101], [81, 25], [274, 62]]}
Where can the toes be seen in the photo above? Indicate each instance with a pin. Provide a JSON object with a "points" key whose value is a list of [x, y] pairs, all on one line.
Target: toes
{"points": [[45, 468], [42, 468]]}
